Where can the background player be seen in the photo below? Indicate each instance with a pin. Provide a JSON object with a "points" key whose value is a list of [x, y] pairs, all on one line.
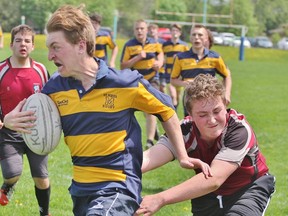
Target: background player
{"points": [[146, 56], [21, 76], [199, 60], [171, 48], [103, 39]]}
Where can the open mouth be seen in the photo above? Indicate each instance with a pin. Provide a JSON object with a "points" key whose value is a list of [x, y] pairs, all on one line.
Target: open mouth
{"points": [[57, 64], [23, 51]]}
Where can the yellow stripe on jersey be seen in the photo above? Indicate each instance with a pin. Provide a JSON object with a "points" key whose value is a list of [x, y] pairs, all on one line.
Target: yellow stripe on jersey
{"points": [[96, 174], [109, 100], [155, 106], [96, 144], [191, 64], [68, 102], [144, 64]]}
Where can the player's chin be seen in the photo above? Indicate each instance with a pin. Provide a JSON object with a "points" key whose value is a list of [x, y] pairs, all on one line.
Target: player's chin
{"points": [[62, 72]]}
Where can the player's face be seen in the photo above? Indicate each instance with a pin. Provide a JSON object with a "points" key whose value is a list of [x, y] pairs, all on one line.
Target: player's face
{"points": [[176, 33], [140, 31], [198, 37], [153, 32], [22, 45], [210, 117], [96, 26], [64, 54]]}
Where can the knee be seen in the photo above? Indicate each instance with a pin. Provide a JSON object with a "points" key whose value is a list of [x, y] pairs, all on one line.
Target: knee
{"points": [[41, 183]]}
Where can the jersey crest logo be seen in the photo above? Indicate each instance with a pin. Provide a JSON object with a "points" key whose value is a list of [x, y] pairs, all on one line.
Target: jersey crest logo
{"points": [[109, 101], [36, 87]]}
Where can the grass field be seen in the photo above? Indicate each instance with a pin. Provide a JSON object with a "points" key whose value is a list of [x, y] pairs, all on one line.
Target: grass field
{"points": [[260, 91]]}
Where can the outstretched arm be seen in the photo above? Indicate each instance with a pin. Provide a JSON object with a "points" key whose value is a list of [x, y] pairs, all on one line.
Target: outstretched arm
{"points": [[158, 155], [194, 187], [155, 157], [174, 133]]}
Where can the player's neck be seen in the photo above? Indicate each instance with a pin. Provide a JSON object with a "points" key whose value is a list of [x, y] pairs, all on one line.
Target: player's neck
{"points": [[87, 74], [174, 40], [17, 62]]}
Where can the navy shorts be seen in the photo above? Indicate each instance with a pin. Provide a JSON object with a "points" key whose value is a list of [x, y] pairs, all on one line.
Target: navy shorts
{"points": [[164, 78], [251, 200], [12, 149], [105, 202], [154, 82]]}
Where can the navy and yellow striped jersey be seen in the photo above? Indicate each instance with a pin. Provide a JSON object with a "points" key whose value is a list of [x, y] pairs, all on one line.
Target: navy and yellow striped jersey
{"points": [[152, 48], [101, 130], [103, 39], [170, 50], [187, 65]]}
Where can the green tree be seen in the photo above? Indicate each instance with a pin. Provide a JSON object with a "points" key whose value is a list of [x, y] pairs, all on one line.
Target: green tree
{"points": [[271, 13], [243, 14], [9, 14], [130, 11]]}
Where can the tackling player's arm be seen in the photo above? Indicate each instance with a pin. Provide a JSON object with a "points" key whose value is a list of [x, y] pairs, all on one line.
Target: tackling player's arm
{"points": [[194, 187]]}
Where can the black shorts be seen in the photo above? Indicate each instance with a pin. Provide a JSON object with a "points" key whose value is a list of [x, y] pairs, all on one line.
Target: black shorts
{"points": [[12, 148], [252, 200]]}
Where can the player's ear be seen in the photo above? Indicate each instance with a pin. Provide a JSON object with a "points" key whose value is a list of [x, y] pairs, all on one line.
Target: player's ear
{"points": [[82, 46]]}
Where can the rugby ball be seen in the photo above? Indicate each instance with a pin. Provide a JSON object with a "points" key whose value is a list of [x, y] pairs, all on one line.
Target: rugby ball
{"points": [[46, 133]]}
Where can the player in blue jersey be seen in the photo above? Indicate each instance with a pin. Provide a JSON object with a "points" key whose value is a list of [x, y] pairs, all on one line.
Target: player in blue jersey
{"points": [[153, 33], [145, 55], [103, 39], [171, 48], [199, 60], [97, 106]]}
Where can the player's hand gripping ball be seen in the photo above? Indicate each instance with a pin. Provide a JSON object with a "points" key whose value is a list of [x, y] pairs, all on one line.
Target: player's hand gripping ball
{"points": [[47, 131]]}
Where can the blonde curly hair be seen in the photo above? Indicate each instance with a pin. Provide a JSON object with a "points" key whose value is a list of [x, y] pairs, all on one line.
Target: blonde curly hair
{"points": [[204, 86]]}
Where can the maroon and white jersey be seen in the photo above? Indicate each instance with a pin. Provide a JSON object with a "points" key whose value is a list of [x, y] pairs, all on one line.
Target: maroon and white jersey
{"points": [[237, 144], [19, 83]]}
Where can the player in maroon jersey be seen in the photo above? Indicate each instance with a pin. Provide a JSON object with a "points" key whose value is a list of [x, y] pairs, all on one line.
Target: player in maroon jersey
{"points": [[20, 77], [240, 183]]}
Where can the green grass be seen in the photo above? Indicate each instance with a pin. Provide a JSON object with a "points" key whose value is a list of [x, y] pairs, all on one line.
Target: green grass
{"points": [[260, 91]]}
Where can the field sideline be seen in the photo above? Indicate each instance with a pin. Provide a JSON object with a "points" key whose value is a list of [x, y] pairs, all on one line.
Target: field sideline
{"points": [[260, 91]]}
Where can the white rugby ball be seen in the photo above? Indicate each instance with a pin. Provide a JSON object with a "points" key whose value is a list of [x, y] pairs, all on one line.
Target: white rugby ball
{"points": [[46, 133]]}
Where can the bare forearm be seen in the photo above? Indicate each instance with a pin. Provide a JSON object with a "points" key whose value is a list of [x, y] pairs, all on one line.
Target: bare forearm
{"points": [[114, 55], [195, 187], [178, 83], [173, 131], [130, 63], [155, 157], [228, 87]]}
